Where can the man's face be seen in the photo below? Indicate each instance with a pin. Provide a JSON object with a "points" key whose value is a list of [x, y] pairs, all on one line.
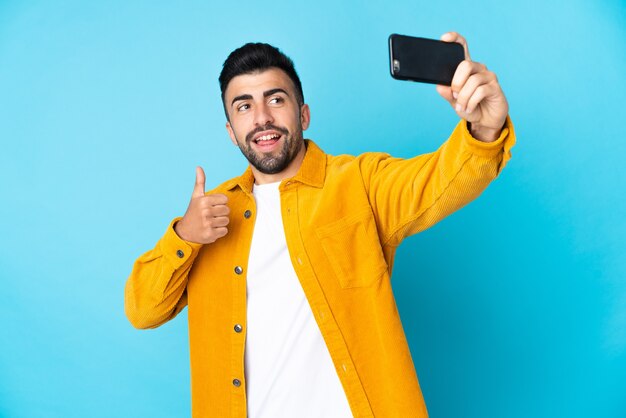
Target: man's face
{"points": [[266, 121]]}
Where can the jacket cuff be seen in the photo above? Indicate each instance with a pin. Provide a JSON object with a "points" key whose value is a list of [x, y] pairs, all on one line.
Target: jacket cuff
{"points": [[175, 249], [503, 144]]}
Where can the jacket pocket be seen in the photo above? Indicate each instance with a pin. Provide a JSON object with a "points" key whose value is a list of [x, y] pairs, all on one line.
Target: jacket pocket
{"points": [[353, 249]]}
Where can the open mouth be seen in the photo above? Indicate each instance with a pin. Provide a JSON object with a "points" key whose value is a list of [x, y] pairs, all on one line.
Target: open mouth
{"points": [[267, 139]]}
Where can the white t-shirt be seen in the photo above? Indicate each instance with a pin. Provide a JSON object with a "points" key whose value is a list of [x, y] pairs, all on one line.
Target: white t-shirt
{"points": [[289, 372]]}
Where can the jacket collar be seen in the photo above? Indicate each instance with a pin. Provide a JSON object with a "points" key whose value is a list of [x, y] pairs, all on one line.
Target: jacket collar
{"points": [[311, 172]]}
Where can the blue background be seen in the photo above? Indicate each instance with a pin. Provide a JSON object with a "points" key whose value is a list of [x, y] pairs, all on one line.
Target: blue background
{"points": [[513, 307]]}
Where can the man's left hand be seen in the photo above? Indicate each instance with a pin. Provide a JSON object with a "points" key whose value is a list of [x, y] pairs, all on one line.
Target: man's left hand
{"points": [[476, 95]]}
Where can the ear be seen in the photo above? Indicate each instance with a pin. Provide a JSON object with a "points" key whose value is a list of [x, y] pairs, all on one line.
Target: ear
{"points": [[231, 133], [305, 116]]}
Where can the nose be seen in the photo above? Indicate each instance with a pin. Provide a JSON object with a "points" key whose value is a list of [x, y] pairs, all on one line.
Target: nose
{"points": [[263, 115]]}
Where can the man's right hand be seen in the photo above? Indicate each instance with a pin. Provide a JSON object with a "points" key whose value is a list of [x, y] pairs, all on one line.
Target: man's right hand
{"points": [[206, 217]]}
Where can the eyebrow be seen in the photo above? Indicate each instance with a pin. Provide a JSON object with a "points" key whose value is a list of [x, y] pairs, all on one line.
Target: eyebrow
{"points": [[265, 94]]}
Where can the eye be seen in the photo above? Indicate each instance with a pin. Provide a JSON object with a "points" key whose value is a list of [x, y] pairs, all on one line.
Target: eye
{"points": [[276, 100], [243, 107]]}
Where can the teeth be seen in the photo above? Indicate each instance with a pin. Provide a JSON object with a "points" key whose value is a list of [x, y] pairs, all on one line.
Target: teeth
{"points": [[267, 137]]}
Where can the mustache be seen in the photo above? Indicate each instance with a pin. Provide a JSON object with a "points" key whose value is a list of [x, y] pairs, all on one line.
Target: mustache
{"points": [[251, 134]]}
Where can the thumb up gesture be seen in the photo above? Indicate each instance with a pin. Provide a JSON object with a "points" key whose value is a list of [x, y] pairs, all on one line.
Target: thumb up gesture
{"points": [[206, 217]]}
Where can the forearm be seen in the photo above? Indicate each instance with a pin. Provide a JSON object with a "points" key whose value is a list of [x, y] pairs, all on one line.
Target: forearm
{"points": [[155, 290], [412, 195], [462, 169]]}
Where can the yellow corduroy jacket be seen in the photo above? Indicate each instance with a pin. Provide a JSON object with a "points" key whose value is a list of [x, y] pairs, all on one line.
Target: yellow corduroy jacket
{"points": [[343, 217]]}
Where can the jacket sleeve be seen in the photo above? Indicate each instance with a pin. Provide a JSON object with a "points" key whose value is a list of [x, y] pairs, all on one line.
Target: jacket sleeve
{"points": [[156, 289], [410, 195]]}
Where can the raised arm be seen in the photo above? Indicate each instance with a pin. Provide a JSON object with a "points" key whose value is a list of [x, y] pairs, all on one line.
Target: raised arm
{"points": [[156, 289], [410, 195]]}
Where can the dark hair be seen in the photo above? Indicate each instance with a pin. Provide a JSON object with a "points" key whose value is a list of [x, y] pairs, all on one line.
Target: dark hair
{"points": [[256, 57]]}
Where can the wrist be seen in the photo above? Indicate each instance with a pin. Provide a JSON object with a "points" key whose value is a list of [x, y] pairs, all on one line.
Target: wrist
{"points": [[482, 133], [178, 228]]}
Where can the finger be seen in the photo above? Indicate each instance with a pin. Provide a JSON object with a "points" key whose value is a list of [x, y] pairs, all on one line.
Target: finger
{"points": [[481, 92], [455, 37], [446, 93], [220, 221], [463, 73], [217, 199], [469, 88], [198, 189], [220, 210], [220, 232]]}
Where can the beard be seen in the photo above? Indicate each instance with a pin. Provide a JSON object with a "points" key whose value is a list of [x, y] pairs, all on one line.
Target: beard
{"points": [[272, 163]]}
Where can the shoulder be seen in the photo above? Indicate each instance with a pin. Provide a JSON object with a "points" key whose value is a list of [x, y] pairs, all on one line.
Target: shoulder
{"points": [[337, 167], [365, 161], [230, 185]]}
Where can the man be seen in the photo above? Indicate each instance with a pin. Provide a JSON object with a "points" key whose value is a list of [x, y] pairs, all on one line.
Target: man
{"points": [[286, 269]]}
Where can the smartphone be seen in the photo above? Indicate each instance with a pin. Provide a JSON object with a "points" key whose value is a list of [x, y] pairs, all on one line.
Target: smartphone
{"points": [[424, 60]]}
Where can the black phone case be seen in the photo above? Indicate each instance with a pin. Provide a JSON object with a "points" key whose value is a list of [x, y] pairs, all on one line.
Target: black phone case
{"points": [[424, 60]]}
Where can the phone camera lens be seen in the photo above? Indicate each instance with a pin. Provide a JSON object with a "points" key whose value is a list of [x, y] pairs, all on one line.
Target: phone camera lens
{"points": [[396, 65]]}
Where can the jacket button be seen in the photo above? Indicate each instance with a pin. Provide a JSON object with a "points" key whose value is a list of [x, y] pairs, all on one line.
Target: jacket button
{"points": [[247, 214], [238, 328], [236, 382], [238, 270], [180, 253]]}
